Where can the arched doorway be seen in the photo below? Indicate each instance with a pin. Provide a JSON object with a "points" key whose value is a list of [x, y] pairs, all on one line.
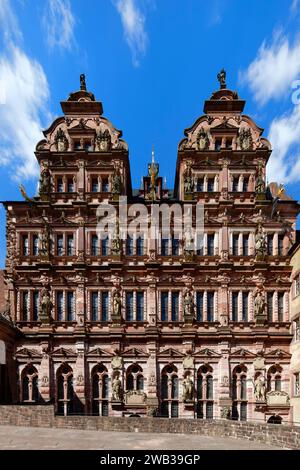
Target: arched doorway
{"points": [[65, 390], [100, 390], [275, 419]]}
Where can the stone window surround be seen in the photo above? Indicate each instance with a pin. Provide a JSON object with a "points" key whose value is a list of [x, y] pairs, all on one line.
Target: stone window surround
{"points": [[65, 177], [100, 177]]}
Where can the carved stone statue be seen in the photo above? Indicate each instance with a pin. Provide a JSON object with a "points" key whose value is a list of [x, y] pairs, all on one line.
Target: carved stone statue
{"points": [[82, 82], [116, 389], [117, 304], [260, 389], [260, 243], [202, 140], [260, 186], [103, 141], [222, 78], [188, 389], [116, 182], [44, 246], [188, 180], [61, 141], [116, 244], [45, 306], [188, 304], [188, 242], [259, 304], [245, 139], [45, 183]]}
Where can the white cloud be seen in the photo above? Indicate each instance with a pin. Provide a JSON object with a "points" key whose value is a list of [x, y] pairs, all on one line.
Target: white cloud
{"points": [[271, 73], [24, 94], [133, 21], [59, 23], [284, 134], [294, 6]]}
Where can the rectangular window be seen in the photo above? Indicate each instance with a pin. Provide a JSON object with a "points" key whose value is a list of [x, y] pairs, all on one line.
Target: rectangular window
{"points": [[245, 297], [175, 306], [140, 306], [297, 286], [200, 185], [140, 246], [104, 246], [94, 245], [129, 246], [218, 144], [104, 306], [235, 244], [70, 245], [280, 245], [235, 184], [210, 306], [60, 306], [70, 185], [210, 244], [199, 306], [297, 329], [129, 306], [164, 246], [36, 304], [245, 244], [105, 185], [60, 245], [175, 246], [95, 306], [209, 410], [210, 185], [245, 184], [25, 244], [280, 306], [235, 305], [164, 306], [35, 245], [297, 384], [59, 185], [70, 306], [25, 305], [270, 306], [95, 185], [270, 244]]}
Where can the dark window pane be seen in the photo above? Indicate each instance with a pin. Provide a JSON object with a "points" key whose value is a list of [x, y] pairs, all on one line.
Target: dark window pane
{"points": [[209, 388], [235, 302], [280, 306], [60, 185], [270, 306], [95, 306], [70, 306], [164, 306], [140, 306], [235, 184], [165, 246], [36, 305], [270, 244], [210, 244], [210, 185], [245, 297], [209, 410], [140, 246], [129, 306], [245, 245], [174, 409], [104, 306], [35, 242], [243, 411], [199, 306], [104, 247], [175, 246], [210, 306], [60, 306], [94, 245], [175, 306], [235, 244], [164, 387]]}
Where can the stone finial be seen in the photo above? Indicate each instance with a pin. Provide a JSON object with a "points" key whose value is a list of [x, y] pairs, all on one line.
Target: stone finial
{"points": [[222, 78]]}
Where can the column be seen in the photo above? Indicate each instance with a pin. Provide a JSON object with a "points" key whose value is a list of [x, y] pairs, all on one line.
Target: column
{"points": [[205, 306], [240, 248], [79, 373], [275, 242], [216, 243], [205, 244], [240, 306], [286, 316], [275, 312]]}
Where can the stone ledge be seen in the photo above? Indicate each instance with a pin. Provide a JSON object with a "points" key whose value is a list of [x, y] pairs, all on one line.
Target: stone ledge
{"points": [[43, 416]]}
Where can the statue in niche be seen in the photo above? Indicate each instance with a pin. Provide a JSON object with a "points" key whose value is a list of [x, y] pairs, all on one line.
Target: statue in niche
{"points": [[45, 305], [103, 141], [61, 141], [202, 140], [245, 139], [117, 304], [188, 242], [188, 389], [116, 244], [260, 243], [188, 304], [116, 181], [45, 183], [45, 240], [116, 389], [222, 78], [259, 303], [260, 186], [260, 389], [187, 179]]}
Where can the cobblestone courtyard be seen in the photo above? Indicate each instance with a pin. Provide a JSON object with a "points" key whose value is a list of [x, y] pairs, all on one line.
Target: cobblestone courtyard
{"points": [[13, 437]]}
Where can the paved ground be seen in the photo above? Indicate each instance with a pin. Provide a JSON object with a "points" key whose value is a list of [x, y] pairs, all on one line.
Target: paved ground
{"points": [[14, 437]]}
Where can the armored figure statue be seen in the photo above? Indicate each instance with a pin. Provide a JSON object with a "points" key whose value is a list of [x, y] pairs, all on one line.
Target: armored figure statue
{"points": [[259, 389], [82, 82], [260, 184], [103, 141], [245, 139], [188, 242], [44, 249], [117, 304], [188, 389], [259, 304], [61, 141], [188, 180], [45, 305], [116, 244], [116, 182], [116, 389], [260, 244], [188, 304], [202, 140], [45, 183]]}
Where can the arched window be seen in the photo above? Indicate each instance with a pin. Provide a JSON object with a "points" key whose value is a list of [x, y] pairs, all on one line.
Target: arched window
{"points": [[30, 391], [169, 391], [100, 390], [274, 381], [205, 392], [134, 378], [65, 389], [239, 393]]}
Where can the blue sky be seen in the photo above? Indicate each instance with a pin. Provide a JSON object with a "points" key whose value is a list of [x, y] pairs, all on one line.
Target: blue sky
{"points": [[152, 63]]}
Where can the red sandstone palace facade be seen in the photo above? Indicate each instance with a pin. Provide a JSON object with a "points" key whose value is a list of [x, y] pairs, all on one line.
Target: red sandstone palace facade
{"points": [[155, 325]]}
